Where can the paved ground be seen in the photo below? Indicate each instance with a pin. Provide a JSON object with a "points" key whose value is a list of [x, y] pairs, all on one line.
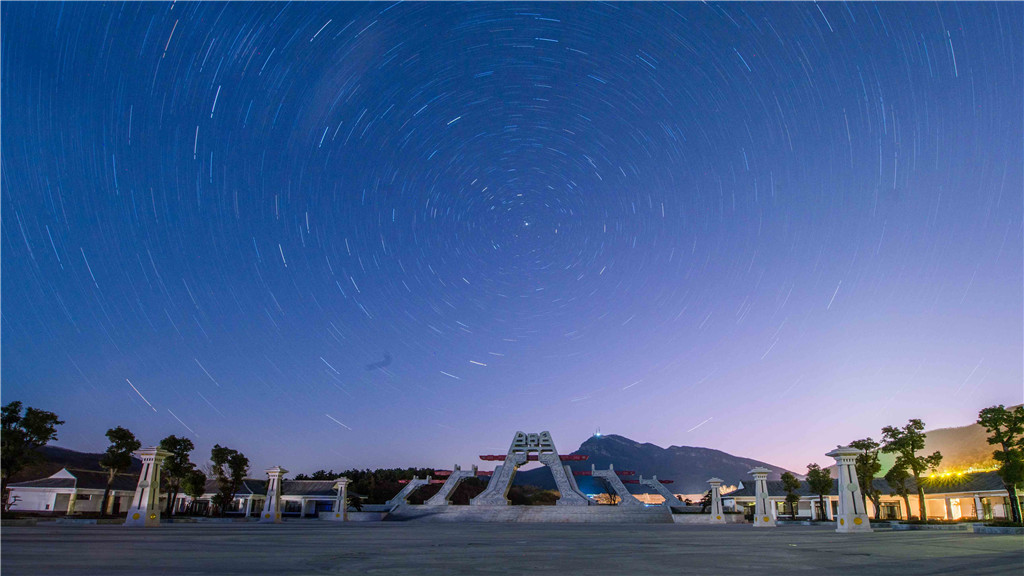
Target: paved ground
{"points": [[314, 547]]}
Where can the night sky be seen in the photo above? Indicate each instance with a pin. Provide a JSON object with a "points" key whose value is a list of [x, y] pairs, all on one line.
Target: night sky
{"points": [[361, 235]]}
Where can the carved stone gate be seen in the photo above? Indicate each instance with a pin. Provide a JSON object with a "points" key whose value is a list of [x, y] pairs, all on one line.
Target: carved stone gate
{"points": [[527, 448]]}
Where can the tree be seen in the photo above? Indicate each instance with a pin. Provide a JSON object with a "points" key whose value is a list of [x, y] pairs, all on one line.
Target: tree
{"points": [[1006, 429], [319, 475], [819, 480], [194, 485], [23, 435], [905, 442], [176, 467], [790, 484], [897, 477], [867, 466], [230, 467], [705, 502], [116, 459]]}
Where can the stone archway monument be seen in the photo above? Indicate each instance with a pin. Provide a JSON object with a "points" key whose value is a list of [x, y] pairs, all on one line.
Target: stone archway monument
{"points": [[531, 448]]}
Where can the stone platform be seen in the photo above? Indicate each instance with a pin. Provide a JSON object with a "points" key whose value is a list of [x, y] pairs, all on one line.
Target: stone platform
{"points": [[544, 514]]}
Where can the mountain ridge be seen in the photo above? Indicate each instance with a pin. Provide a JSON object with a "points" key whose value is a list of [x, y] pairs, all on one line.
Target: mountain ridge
{"points": [[689, 467]]}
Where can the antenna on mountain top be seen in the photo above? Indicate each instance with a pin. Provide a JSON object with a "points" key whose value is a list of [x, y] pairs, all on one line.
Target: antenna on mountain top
{"points": [[597, 434]]}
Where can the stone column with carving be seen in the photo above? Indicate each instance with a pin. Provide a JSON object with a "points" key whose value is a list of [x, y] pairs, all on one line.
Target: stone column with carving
{"points": [[272, 505], [717, 513], [145, 508], [763, 517], [341, 502], [979, 510], [853, 515]]}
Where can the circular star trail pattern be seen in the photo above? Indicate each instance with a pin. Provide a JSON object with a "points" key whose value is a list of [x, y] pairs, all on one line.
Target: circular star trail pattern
{"points": [[336, 235]]}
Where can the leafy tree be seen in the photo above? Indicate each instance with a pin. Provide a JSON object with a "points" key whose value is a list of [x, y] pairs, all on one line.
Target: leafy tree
{"points": [[790, 484], [897, 477], [116, 459], [230, 466], [23, 435], [905, 442], [176, 467], [705, 502], [194, 485], [1006, 429], [819, 480], [867, 466]]}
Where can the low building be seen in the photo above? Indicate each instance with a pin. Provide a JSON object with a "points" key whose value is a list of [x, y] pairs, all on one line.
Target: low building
{"points": [[299, 498], [71, 491], [978, 495]]}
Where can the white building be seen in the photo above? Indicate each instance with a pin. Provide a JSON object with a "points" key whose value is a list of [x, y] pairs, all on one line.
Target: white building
{"points": [[72, 491], [299, 498], [978, 495], [81, 491]]}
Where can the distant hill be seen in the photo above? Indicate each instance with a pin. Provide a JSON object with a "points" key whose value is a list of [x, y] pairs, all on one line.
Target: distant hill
{"points": [[689, 467], [57, 458]]}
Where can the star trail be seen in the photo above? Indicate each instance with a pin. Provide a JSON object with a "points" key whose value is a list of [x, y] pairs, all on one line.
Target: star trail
{"points": [[762, 228]]}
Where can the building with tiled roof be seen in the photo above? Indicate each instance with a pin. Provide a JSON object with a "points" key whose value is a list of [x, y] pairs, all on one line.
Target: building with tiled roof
{"points": [[71, 491], [947, 497]]}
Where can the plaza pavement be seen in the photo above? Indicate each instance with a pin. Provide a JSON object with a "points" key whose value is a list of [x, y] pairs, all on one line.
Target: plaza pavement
{"points": [[399, 548]]}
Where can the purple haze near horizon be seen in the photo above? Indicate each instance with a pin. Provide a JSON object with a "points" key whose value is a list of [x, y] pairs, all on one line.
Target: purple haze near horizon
{"points": [[360, 235]]}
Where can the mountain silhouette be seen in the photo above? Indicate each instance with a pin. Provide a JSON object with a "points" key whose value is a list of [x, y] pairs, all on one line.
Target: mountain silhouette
{"points": [[688, 467]]}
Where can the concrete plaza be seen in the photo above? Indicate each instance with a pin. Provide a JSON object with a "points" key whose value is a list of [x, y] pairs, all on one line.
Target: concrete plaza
{"points": [[313, 547]]}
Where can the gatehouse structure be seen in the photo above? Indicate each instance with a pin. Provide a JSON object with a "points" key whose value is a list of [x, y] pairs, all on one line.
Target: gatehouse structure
{"points": [[522, 451], [492, 505]]}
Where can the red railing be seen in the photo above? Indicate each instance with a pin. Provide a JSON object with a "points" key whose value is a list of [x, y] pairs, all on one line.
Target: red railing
{"points": [[534, 457]]}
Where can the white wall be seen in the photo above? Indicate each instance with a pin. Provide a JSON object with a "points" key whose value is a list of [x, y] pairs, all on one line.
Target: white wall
{"points": [[33, 500]]}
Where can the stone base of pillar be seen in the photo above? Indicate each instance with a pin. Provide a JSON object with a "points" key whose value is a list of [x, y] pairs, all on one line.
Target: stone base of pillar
{"points": [[141, 518], [764, 521], [853, 523], [334, 516], [271, 517], [718, 518]]}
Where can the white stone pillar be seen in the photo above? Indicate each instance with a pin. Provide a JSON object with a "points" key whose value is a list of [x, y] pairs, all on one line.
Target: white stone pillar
{"points": [[949, 508], [145, 508], [341, 502], [717, 513], [763, 517], [853, 517], [979, 510], [272, 505], [248, 506], [71, 502]]}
